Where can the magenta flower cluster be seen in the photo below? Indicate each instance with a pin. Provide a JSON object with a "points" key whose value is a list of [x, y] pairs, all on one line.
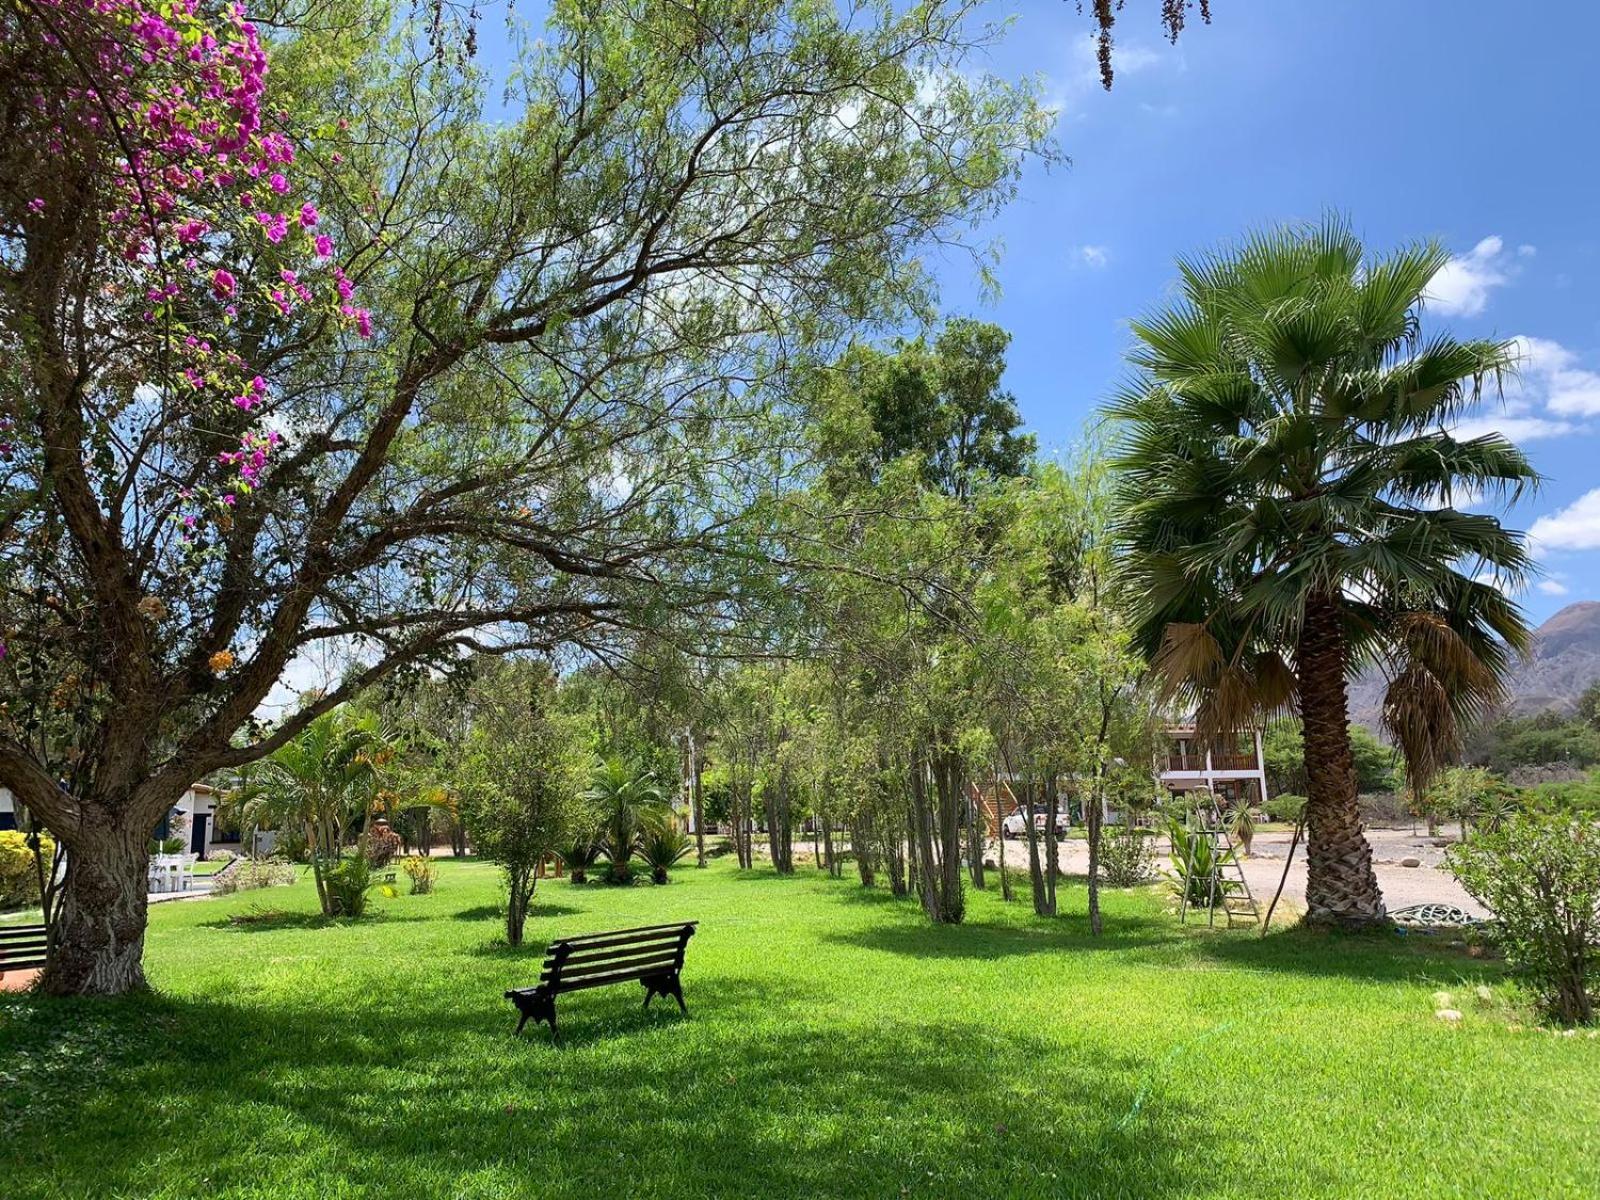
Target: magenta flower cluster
{"points": [[201, 188]]}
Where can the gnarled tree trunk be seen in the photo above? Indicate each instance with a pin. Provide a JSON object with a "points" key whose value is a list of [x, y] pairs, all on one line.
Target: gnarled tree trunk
{"points": [[97, 937], [1341, 888]]}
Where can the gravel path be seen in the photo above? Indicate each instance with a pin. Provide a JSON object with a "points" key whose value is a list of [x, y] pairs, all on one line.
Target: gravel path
{"points": [[1402, 886]]}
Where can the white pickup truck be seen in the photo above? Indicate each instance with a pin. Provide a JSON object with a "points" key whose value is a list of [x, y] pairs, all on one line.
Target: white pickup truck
{"points": [[1015, 824]]}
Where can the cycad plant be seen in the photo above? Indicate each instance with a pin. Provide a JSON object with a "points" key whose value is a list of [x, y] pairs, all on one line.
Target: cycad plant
{"points": [[663, 844], [623, 797], [1287, 514]]}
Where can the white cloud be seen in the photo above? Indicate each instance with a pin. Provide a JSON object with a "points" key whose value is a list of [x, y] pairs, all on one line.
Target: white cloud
{"points": [[1549, 396], [1527, 251], [1552, 587], [1515, 427], [1575, 527], [1568, 389], [1094, 256], [1462, 286]]}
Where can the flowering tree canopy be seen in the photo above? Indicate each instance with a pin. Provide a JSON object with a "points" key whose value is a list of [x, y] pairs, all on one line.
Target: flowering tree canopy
{"points": [[587, 318]]}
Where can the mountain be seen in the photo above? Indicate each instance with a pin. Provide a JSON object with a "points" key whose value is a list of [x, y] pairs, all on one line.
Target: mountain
{"points": [[1564, 660]]}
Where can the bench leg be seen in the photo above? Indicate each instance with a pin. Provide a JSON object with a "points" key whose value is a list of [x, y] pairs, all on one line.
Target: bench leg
{"points": [[536, 1008], [677, 994]]}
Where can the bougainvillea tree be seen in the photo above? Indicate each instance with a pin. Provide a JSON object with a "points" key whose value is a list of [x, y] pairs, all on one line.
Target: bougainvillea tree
{"points": [[570, 411]]}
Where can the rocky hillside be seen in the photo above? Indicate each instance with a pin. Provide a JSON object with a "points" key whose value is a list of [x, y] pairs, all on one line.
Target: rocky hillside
{"points": [[1564, 661]]}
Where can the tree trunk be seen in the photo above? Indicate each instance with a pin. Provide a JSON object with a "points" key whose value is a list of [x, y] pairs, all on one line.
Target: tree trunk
{"points": [[1041, 902], [695, 804], [1341, 888], [97, 937], [520, 882], [1094, 819], [975, 836]]}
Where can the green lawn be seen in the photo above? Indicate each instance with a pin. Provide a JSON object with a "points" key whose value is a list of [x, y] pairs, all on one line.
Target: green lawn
{"points": [[836, 1046]]}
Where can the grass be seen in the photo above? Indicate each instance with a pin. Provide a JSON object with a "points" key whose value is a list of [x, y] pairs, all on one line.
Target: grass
{"points": [[836, 1045]]}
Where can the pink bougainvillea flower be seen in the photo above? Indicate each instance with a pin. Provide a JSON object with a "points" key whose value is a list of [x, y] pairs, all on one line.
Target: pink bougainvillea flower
{"points": [[324, 245], [36, 205], [278, 183], [222, 283], [308, 215], [276, 225]]}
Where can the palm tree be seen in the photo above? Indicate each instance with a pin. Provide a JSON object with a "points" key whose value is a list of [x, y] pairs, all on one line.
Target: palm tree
{"points": [[624, 798], [1286, 515], [318, 784]]}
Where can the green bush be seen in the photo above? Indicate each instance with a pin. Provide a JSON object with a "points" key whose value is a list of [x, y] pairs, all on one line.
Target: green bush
{"points": [[663, 845], [582, 854], [349, 882], [1127, 855], [1540, 876], [1286, 807], [19, 874], [1194, 862]]}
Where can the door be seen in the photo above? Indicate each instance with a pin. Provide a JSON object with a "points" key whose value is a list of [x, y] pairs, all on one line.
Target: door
{"points": [[197, 838]]}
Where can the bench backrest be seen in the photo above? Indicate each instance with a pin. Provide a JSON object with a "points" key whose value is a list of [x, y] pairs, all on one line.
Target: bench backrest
{"points": [[617, 956], [22, 947]]}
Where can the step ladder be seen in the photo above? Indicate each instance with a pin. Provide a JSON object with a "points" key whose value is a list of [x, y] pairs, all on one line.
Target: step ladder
{"points": [[1226, 886]]}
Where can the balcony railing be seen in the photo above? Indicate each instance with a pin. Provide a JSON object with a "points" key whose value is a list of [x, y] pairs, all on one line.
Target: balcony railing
{"points": [[1219, 762]]}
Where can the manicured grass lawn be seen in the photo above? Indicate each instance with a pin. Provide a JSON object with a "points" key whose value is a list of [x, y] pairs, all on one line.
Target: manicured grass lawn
{"points": [[836, 1046]]}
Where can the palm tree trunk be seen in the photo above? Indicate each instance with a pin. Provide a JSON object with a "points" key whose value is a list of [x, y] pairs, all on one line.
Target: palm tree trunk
{"points": [[1341, 888]]}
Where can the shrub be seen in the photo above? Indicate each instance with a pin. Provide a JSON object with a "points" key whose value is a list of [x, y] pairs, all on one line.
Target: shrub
{"points": [[253, 873], [422, 874], [380, 844], [582, 854], [19, 873], [349, 882], [1197, 866], [1127, 856], [171, 845], [1286, 807], [1540, 876], [664, 843]]}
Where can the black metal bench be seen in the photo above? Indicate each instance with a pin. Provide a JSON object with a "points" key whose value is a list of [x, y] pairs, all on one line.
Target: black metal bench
{"points": [[651, 955], [22, 947]]}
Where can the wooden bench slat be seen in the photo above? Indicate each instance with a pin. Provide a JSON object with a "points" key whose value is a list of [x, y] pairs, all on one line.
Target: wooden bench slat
{"points": [[650, 964], [586, 956], [594, 981], [622, 937]]}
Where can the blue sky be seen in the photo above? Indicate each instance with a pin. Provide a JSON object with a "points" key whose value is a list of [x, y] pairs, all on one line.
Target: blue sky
{"points": [[1471, 121]]}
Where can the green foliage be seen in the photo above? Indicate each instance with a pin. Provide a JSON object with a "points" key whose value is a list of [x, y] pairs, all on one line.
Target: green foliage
{"points": [[1127, 856], [1197, 866], [1471, 795], [421, 872], [663, 845], [580, 852], [349, 882], [623, 799], [1283, 751], [520, 786], [1544, 739], [19, 873], [1579, 797], [1540, 876], [1286, 807]]}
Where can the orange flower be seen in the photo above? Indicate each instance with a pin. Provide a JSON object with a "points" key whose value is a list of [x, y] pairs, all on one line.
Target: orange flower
{"points": [[220, 661]]}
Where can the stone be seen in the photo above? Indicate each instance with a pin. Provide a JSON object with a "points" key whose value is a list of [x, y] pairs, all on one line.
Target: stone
{"points": [[1410, 862], [1449, 1015]]}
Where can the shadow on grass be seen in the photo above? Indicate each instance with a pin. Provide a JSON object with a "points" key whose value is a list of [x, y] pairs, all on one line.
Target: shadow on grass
{"points": [[1380, 956], [726, 1102], [984, 940], [266, 920]]}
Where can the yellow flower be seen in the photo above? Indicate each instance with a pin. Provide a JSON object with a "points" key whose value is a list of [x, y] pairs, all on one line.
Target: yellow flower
{"points": [[220, 661]]}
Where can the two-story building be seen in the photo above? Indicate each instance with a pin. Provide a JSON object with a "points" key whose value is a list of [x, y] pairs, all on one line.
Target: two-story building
{"points": [[1234, 771]]}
